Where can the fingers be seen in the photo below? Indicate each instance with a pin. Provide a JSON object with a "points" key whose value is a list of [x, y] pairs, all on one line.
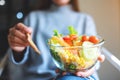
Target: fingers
{"points": [[13, 32], [101, 58], [19, 31], [17, 36], [61, 72], [79, 73], [57, 70], [23, 28], [15, 40], [85, 73]]}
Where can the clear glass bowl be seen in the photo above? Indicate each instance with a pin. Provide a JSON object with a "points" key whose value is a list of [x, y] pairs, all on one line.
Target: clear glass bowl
{"points": [[75, 58]]}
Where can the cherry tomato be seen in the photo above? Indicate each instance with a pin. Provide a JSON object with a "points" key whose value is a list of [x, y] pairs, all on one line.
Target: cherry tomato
{"points": [[85, 38], [93, 39]]}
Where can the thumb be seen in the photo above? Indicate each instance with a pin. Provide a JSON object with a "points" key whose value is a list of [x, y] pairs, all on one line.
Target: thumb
{"points": [[101, 58]]}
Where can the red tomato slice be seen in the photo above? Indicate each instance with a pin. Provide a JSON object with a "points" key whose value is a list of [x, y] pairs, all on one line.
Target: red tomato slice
{"points": [[85, 38], [93, 39]]}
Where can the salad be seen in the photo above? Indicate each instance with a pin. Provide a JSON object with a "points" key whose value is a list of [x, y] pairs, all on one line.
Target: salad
{"points": [[74, 52]]}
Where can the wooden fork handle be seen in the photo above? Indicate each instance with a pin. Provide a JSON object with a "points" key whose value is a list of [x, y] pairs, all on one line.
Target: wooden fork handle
{"points": [[32, 44]]}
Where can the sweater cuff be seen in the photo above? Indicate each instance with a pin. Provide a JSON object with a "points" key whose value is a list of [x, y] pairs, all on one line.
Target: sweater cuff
{"points": [[18, 58]]}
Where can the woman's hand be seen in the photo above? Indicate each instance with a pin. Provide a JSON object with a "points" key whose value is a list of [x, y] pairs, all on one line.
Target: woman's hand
{"points": [[17, 37], [86, 73]]}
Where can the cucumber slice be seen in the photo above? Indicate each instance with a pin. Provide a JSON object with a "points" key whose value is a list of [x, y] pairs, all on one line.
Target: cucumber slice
{"points": [[89, 52], [87, 44], [72, 66]]}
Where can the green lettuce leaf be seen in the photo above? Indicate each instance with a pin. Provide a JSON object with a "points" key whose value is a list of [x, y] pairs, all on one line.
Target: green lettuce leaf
{"points": [[72, 30]]}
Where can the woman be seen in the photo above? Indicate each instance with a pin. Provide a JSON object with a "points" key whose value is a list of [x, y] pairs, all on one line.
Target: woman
{"points": [[24, 64]]}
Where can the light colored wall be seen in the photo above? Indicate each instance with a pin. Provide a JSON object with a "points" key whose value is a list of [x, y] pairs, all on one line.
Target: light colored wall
{"points": [[106, 14]]}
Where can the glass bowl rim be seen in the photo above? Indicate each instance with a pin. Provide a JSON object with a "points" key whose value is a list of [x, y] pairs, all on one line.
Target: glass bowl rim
{"points": [[101, 42]]}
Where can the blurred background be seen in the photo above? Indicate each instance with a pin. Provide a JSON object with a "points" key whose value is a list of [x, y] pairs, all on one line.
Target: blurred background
{"points": [[106, 14]]}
